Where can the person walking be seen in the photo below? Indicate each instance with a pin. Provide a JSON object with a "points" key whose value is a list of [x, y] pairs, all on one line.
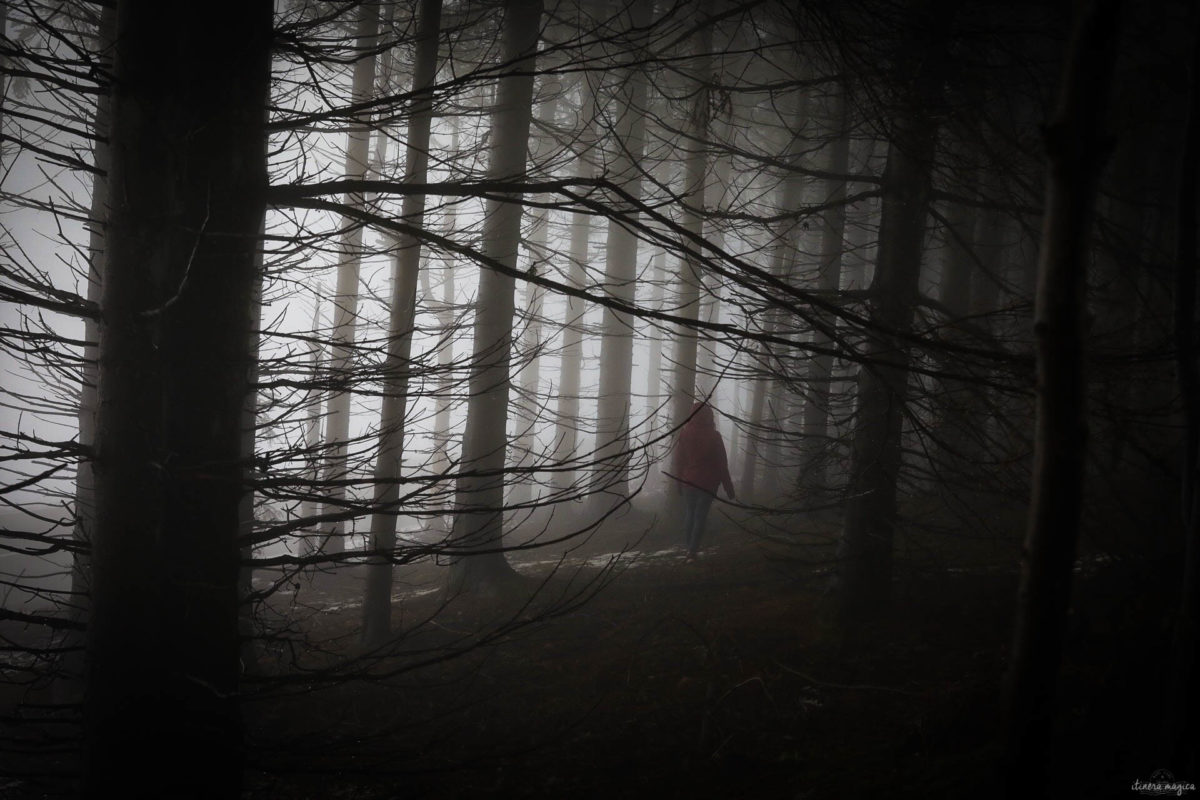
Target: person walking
{"points": [[699, 465]]}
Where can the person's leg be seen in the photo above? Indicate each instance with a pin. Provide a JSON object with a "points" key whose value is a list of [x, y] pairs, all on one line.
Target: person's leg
{"points": [[699, 520], [698, 500], [689, 516]]}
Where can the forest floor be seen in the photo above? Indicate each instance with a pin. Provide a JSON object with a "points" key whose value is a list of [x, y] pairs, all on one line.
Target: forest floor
{"points": [[617, 669], [721, 678]]}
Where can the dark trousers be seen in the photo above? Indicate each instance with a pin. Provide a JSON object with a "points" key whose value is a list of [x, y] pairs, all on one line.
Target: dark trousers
{"points": [[696, 503]]}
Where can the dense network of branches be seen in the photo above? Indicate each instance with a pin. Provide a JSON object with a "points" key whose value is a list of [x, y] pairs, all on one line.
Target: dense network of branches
{"points": [[711, 209]]}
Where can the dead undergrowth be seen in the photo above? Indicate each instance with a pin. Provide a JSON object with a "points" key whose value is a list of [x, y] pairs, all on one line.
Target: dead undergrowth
{"points": [[618, 670]]}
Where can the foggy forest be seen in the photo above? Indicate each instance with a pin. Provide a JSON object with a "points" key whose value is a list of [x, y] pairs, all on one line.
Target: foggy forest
{"points": [[599, 398]]}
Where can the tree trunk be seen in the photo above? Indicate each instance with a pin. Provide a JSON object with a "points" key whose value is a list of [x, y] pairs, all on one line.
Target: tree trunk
{"points": [[1183, 700], [654, 387], [186, 202], [479, 521], [249, 436], [991, 231], [528, 409], [610, 480], [345, 299], [762, 430], [953, 416], [85, 510], [445, 316], [566, 437], [312, 423], [865, 550], [692, 221], [717, 198], [406, 264], [815, 442], [1076, 149], [958, 260], [530, 406], [98, 214], [754, 427]]}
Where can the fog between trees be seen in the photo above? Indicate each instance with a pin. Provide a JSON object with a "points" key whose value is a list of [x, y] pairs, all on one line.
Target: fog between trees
{"points": [[320, 291]]}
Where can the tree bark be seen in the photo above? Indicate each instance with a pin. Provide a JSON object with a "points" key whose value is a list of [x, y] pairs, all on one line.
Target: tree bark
{"points": [[610, 480], [954, 415], [312, 421], [249, 437], [397, 368], [566, 437], [186, 202], [865, 549], [717, 198], [1183, 700], [98, 214], [345, 299], [445, 316], [654, 387], [479, 519], [529, 408], [85, 485], [815, 442], [692, 221], [1076, 151], [762, 431]]}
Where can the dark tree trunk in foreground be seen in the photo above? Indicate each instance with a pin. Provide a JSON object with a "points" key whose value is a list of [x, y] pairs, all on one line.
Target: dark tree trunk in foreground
{"points": [[1183, 702], [187, 188], [246, 609], [98, 214], [479, 520], [865, 551], [1076, 148], [377, 601], [71, 685]]}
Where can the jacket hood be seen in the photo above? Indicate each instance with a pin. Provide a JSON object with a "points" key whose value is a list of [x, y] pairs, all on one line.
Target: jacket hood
{"points": [[702, 416]]}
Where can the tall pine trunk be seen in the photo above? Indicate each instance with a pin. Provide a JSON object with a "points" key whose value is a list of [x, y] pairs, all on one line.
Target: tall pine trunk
{"points": [[1076, 149], [566, 435], [865, 549], [530, 406], [97, 216], [345, 299], [762, 430], [815, 442], [952, 422], [397, 367], [611, 477], [445, 317], [312, 419], [85, 484], [186, 202], [654, 370], [717, 198], [692, 221], [479, 516], [1183, 701]]}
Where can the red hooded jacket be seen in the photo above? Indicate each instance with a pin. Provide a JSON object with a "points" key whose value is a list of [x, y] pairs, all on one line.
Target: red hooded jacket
{"points": [[699, 458]]}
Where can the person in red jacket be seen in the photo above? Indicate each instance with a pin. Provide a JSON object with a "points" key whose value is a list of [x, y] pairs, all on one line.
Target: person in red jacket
{"points": [[699, 466]]}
